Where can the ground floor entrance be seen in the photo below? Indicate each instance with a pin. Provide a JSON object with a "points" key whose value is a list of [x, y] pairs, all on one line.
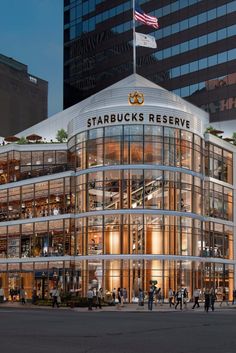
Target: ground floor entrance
{"points": [[38, 278]]}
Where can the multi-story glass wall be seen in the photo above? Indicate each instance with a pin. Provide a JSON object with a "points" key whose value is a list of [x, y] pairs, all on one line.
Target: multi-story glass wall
{"points": [[24, 163], [195, 55], [38, 199], [156, 175], [122, 203]]}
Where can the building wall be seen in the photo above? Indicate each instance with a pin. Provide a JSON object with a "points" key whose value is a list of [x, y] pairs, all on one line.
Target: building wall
{"points": [[139, 193], [23, 98]]}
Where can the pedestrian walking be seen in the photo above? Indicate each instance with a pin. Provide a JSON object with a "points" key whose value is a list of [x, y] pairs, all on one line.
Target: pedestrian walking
{"points": [[207, 300], [114, 296], [125, 294], [12, 294], [140, 297], [224, 298], [55, 294], [196, 295], [179, 298], [160, 297], [100, 298], [234, 297], [150, 297], [95, 298], [22, 295], [119, 293], [170, 297], [122, 296], [185, 297], [174, 296], [90, 298], [212, 299], [1, 295]]}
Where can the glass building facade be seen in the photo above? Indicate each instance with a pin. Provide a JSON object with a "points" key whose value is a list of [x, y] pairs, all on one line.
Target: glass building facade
{"points": [[127, 200], [195, 55]]}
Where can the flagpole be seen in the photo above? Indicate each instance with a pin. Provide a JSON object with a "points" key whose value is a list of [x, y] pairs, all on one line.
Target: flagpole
{"points": [[134, 41]]}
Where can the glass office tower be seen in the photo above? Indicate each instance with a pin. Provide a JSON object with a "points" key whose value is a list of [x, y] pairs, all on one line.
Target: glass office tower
{"points": [[195, 55]]}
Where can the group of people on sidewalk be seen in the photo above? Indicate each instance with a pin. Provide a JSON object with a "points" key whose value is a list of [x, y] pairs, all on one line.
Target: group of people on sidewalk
{"points": [[210, 298], [180, 298], [15, 294], [119, 296], [154, 295], [95, 298]]}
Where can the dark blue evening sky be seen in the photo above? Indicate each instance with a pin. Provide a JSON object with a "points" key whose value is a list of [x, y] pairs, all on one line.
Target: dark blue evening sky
{"points": [[31, 31]]}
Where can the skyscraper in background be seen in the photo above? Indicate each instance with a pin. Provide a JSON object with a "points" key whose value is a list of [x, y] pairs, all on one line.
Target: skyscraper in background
{"points": [[23, 97], [195, 56]]}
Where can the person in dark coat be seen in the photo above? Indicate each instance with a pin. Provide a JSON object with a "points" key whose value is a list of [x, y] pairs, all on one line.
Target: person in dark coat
{"points": [[212, 299], [140, 297], [207, 300], [90, 298], [234, 297], [119, 293], [12, 294], [150, 297], [179, 298]]}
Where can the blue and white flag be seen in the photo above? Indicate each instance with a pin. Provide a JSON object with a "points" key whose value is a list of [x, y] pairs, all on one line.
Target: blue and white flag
{"points": [[145, 40]]}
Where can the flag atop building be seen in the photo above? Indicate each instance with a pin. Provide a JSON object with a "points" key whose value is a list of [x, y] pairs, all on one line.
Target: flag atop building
{"points": [[145, 40], [141, 16]]}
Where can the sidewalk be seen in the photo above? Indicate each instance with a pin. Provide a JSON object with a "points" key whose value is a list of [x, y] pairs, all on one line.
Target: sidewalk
{"points": [[126, 308], [158, 308]]}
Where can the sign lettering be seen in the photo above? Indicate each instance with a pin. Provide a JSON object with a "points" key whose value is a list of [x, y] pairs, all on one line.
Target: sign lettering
{"points": [[138, 117]]}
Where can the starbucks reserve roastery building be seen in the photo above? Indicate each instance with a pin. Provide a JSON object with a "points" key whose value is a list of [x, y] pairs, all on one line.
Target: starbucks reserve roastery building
{"points": [[139, 192]]}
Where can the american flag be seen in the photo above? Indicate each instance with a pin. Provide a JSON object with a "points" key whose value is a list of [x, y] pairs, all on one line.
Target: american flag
{"points": [[141, 16]]}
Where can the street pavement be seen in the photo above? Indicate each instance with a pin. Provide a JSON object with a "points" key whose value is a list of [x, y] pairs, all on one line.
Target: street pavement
{"points": [[28, 328]]}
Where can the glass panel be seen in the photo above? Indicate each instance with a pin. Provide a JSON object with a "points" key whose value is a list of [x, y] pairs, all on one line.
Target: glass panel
{"points": [[153, 189], [95, 235], [14, 208], [13, 241], [112, 190], [27, 206], [95, 191], [112, 235]]}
